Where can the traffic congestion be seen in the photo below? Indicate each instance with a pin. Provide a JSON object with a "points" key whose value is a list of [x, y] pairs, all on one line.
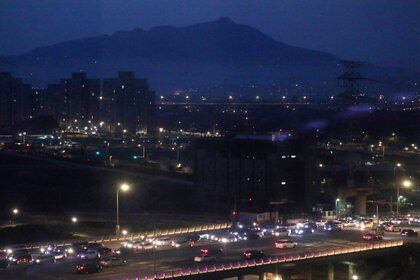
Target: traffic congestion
{"points": [[249, 242]]}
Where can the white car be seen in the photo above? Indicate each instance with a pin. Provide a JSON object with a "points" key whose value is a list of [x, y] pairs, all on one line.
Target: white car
{"points": [[163, 241], [285, 244], [204, 258], [228, 239], [351, 223], [89, 255], [146, 245]]}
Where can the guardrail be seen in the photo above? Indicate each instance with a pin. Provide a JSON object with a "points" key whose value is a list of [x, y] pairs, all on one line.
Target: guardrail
{"points": [[193, 271], [153, 233]]}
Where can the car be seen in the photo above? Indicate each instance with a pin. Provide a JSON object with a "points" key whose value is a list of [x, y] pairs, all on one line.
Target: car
{"points": [[365, 224], [304, 231], [58, 255], [267, 230], [409, 233], [254, 254], [331, 226], [252, 236], [182, 242], [350, 223], [228, 238], [44, 259], [208, 254], [186, 241], [80, 245], [105, 251], [20, 257], [88, 255], [194, 237], [94, 246], [23, 259], [112, 261], [310, 225], [391, 227], [3, 255], [240, 234], [320, 222], [204, 258], [285, 244], [280, 231], [163, 241], [4, 263], [88, 268], [371, 236]]}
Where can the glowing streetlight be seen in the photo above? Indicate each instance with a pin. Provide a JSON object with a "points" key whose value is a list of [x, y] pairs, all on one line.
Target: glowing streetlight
{"points": [[321, 165], [407, 183], [74, 220], [15, 211], [124, 188], [336, 205], [396, 185], [124, 232]]}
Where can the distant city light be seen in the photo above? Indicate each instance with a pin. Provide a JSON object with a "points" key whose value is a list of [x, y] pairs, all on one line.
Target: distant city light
{"points": [[15, 211], [74, 220]]}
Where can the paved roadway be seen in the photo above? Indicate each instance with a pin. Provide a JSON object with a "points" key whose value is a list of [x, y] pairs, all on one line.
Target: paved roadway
{"points": [[168, 258]]}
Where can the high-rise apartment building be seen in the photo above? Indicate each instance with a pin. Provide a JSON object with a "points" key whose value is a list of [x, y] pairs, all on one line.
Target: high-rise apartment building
{"points": [[127, 104]]}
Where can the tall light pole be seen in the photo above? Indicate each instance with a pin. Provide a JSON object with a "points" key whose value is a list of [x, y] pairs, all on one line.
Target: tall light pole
{"points": [[396, 184], [405, 184], [336, 206], [123, 187]]}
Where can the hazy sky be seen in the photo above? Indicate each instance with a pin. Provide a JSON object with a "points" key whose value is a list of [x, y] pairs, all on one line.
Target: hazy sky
{"points": [[381, 31]]}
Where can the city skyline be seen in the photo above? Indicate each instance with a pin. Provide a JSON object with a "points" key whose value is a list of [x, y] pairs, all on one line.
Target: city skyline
{"points": [[209, 139]]}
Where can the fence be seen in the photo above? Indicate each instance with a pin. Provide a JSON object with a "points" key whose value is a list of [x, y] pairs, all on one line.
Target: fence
{"points": [[154, 233], [191, 271]]}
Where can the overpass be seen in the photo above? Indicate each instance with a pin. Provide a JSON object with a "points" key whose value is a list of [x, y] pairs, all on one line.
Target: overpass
{"points": [[279, 267]]}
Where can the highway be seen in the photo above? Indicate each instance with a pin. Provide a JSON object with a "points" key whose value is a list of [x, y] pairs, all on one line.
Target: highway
{"points": [[169, 258]]}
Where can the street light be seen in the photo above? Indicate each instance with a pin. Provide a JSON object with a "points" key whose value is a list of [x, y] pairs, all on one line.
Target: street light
{"points": [[15, 211], [396, 185], [123, 187], [74, 220], [406, 184], [336, 205]]}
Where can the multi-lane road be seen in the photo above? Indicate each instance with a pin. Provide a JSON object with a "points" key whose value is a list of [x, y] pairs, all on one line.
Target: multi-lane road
{"points": [[170, 258]]}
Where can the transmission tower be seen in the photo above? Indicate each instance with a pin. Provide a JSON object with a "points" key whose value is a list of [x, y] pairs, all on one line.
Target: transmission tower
{"points": [[351, 80]]}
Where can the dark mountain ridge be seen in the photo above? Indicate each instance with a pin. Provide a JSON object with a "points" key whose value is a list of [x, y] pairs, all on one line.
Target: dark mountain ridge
{"points": [[217, 52]]}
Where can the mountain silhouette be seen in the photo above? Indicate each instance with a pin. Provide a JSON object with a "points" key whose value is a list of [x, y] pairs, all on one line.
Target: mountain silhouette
{"points": [[210, 53]]}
